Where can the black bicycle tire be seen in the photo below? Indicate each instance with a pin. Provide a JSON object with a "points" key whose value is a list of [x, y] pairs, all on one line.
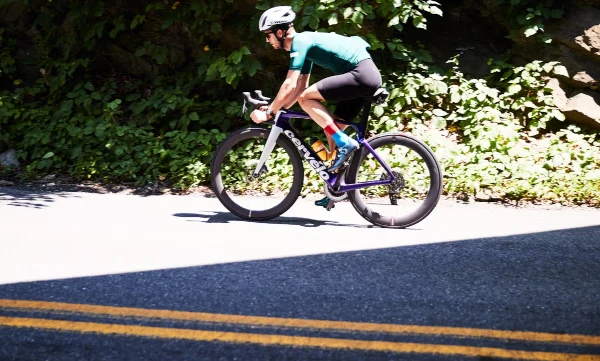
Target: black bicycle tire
{"points": [[220, 191], [436, 179]]}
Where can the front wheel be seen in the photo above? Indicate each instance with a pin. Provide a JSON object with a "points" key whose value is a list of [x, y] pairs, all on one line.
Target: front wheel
{"points": [[413, 194], [277, 186]]}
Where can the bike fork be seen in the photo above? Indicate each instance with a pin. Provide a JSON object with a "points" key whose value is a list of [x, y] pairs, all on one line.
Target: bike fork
{"points": [[271, 140]]}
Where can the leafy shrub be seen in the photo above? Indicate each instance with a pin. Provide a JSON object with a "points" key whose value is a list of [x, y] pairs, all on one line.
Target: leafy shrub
{"points": [[144, 93]]}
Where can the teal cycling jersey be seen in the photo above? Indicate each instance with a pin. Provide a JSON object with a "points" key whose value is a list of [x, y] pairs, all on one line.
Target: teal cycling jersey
{"points": [[332, 51]]}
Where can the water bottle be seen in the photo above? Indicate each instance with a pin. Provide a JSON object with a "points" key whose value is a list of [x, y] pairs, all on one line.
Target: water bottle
{"points": [[331, 156], [319, 147]]}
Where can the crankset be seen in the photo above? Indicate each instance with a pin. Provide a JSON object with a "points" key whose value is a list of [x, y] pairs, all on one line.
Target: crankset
{"points": [[333, 195]]}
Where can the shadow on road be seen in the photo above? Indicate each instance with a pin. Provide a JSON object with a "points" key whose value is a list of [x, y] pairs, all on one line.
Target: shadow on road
{"points": [[536, 282], [226, 217], [41, 195], [31, 198]]}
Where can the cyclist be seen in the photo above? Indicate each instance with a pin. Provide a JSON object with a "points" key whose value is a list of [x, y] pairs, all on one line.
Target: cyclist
{"points": [[356, 76]]}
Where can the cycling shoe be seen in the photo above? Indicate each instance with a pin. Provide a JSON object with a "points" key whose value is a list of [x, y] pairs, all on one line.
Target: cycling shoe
{"points": [[322, 202], [343, 153]]}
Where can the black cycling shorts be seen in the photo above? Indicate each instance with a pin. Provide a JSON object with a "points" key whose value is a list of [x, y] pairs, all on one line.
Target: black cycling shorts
{"points": [[349, 89]]}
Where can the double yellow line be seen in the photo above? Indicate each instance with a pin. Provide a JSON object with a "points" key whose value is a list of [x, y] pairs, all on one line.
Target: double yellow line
{"points": [[282, 340]]}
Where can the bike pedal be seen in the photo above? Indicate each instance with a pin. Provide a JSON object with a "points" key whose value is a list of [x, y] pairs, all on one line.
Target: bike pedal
{"points": [[330, 205]]}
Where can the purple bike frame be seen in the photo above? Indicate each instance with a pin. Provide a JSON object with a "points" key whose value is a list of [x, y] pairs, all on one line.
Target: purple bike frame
{"points": [[283, 121]]}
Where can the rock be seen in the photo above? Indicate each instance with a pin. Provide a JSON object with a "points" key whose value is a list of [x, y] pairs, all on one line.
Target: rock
{"points": [[579, 30], [463, 196], [558, 94], [486, 195], [578, 36], [585, 72], [591, 39], [583, 110], [583, 79], [9, 159], [575, 44], [4, 183]]}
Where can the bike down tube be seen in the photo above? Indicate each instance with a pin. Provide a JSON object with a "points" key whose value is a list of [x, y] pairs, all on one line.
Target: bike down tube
{"points": [[304, 149], [273, 135]]}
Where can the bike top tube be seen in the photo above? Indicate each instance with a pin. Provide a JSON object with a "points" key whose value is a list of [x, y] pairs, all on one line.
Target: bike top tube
{"points": [[286, 115]]}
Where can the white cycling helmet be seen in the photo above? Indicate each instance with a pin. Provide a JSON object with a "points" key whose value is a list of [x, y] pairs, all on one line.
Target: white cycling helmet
{"points": [[278, 15]]}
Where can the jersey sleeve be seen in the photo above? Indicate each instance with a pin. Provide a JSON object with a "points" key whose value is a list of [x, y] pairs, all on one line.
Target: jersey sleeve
{"points": [[298, 52], [307, 67]]}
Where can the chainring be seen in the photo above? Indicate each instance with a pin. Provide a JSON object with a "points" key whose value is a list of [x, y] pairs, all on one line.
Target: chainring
{"points": [[334, 196]]}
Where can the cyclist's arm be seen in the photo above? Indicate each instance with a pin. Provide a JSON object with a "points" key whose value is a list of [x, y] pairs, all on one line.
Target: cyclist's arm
{"points": [[288, 88], [299, 66], [301, 85]]}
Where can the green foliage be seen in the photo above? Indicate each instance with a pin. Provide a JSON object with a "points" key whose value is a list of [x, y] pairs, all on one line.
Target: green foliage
{"points": [[144, 93], [93, 122], [7, 63], [350, 17], [493, 134], [527, 17]]}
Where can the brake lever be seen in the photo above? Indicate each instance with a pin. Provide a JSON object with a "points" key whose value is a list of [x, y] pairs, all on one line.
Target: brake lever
{"points": [[255, 103], [260, 96]]}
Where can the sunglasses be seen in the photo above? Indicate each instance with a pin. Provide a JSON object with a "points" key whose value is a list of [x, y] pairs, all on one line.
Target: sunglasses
{"points": [[269, 33]]}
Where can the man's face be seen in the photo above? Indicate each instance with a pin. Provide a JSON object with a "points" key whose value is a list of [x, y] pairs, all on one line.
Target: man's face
{"points": [[272, 39]]}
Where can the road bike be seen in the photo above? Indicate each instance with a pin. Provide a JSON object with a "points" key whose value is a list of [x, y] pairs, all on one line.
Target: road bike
{"points": [[393, 179]]}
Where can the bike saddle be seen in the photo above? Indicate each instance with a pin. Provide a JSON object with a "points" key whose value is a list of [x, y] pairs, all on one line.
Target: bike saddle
{"points": [[380, 96]]}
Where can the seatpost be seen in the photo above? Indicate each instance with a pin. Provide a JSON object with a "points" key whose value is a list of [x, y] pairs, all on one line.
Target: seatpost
{"points": [[366, 111]]}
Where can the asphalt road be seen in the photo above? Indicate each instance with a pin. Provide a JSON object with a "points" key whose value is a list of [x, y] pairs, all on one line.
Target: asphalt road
{"points": [[121, 277]]}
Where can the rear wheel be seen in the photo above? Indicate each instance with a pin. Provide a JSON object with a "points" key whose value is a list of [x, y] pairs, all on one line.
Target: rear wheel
{"points": [[413, 194], [277, 186]]}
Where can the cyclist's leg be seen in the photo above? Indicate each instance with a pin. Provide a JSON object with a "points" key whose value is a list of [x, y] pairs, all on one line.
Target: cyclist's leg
{"points": [[349, 109], [346, 110], [362, 81], [330, 141], [310, 101]]}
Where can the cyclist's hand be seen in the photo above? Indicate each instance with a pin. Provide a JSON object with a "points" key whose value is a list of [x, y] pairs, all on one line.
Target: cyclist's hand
{"points": [[259, 116]]}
